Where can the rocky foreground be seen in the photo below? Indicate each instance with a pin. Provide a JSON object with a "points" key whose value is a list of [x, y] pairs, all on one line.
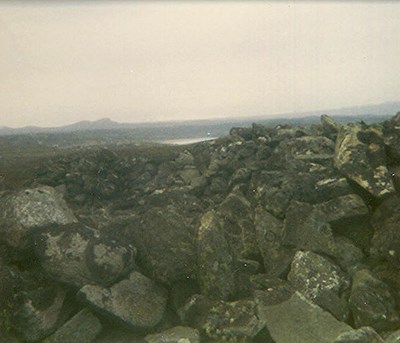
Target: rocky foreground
{"points": [[282, 235]]}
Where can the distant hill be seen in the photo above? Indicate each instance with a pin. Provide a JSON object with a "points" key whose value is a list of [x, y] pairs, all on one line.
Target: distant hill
{"points": [[215, 127]]}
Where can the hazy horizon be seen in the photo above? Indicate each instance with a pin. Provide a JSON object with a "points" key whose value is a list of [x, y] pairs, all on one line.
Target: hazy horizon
{"points": [[163, 61]]}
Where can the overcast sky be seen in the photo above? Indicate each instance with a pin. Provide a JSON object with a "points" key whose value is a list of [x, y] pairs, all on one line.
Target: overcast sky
{"points": [[151, 61]]}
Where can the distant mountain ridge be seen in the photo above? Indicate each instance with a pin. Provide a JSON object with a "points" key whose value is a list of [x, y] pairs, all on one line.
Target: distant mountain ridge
{"points": [[367, 112]]}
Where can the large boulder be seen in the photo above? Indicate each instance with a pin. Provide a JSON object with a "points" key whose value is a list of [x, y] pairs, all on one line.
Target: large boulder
{"points": [[360, 156], [23, 212], [300, 320], [77, 255], [137, 301], [362, 335]]}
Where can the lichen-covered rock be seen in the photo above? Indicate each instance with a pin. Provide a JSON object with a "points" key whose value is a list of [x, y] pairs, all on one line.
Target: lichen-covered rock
{"points": [[136, 301], [83, 328], [360, 156], [269, 234], [391, 137], [371, 303], [77, 255], [330, 127], [215, 261], [321, 281], [178, 334], [23, 212], [386, 239], [362, 335], [394, 337], [233, 322], [300, 320]]}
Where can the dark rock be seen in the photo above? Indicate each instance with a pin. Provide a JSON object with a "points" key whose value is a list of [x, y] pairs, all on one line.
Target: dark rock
{"points": [[136, 301], [215, 261], [269, 234], [165, 241], [362, 335], [83, 327], [238, 224], [76, 254], [371, 303], [321, 281], [175, 335], [272, 291], [300, 320], [386, 239], [23, 212], [391, 138], [360, 156]]}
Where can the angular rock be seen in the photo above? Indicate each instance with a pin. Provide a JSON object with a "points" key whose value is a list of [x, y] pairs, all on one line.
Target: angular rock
{"points": [[360, 156], [76, 254], [165, 240], [300, 320], [321, 281], [391, 137], [386, 240], [178, 334], [362, 335], [83, 328], [215, 262], [136, 301], [371, 303], [23, 212], [305, 228], [269, 234], [272, 291], [310, 227], [233, 322], [195, 311]]}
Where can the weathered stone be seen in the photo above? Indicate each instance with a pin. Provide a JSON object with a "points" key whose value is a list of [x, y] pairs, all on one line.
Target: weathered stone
{"points": [[215, 273], [23, 212], [362, 335], [305, 228], [164, 238], [269, 234], [360, 156], [394, 337], [238, 224], [310, 227], [321, 281], [233, 322], [332, 187], [371, 303], [178, 334], [40, 313], [83, 328], [300, 320], [391, 138], [76, 254], [386, 239], [272, 291], [137, 301]]}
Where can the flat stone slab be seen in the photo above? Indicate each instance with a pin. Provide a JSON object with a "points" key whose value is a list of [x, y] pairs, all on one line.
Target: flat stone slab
{"points": [[300, 320]]}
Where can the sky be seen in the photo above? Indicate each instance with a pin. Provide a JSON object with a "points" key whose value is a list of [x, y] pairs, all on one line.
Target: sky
{"points": [[143, 61]]}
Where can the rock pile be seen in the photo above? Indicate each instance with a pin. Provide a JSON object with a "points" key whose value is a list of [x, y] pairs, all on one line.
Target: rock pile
{"points": [[284, 234]]}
